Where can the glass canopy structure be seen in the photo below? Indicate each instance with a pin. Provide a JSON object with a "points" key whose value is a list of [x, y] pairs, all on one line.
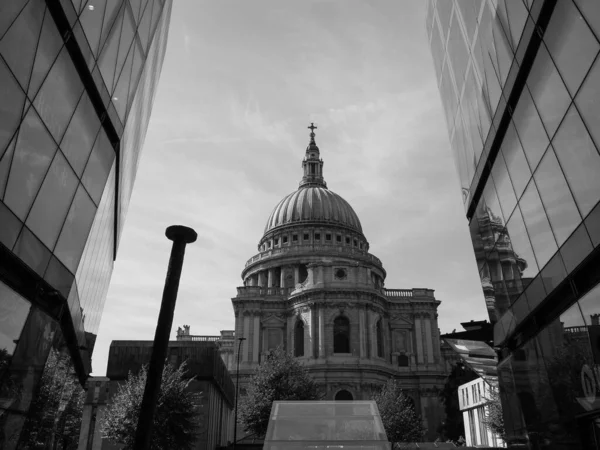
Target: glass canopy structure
{"points": [[325, 424]]}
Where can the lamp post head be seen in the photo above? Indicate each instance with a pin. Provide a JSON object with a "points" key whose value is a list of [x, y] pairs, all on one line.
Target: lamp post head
{"points": [[242, 339], [181, 233]]}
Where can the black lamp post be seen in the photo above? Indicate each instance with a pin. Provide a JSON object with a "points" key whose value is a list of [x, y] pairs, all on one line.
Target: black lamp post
{"points": [[237, 390]]}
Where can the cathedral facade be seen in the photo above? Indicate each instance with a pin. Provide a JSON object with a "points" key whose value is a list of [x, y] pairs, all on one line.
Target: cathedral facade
{"points": [[316, 291]]}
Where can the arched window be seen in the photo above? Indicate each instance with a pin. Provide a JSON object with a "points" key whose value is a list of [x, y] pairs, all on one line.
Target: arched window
{"points": [[344, 395], [341, 335], [379, 332], [299, 338]]}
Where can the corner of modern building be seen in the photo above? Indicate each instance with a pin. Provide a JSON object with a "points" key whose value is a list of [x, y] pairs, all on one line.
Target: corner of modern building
{"points": [[77, 84], [520, 87]]}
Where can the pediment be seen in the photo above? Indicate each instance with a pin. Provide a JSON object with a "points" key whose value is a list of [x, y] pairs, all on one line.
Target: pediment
{"points": [[400, 320], [273, 320]]}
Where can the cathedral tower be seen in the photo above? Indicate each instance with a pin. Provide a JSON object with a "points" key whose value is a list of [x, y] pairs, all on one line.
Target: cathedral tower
{"points": [[315, 290]]}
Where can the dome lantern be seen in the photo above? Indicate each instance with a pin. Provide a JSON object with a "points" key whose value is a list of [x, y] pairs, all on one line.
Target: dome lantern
{"points": [[312, 163]]}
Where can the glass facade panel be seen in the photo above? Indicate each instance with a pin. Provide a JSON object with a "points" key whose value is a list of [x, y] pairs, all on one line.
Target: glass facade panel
{"points": [[14, 310], [11, 226], [18, 45], [457, 50], [52, 203], [33, 154], [81, 134], [556, 196], [49, 46], [587, 103], [548, 91], [571, 44], [12, 100], [530, 129], [59, 95], [579, 160], [31, 250], [98, 166], [515, 161], [591, 12], [75, 230], [536, 221], [521, 244]]}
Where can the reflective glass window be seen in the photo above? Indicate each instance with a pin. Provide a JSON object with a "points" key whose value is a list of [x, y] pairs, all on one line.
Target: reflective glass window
{"points": [[33, 154], [556, 197], [579, 160], [91, 22], [437, 50], [444, 10], [49, 46], [112, 11], [5, 161], [530, 129], [75, 230], [521, 244], [81, 134], [554, 273], [588, 104], [571, 44], [30, 249], [9, 10], [591, 12], [448, 94], [491, 79], [13, 314], [52, 203], [18, 45], [10, 228], [120, 96], [540, 234], [469, 9], [548, 91], [59, 277], [59, 95], [108, 57], [144, 27], [592, 223], [27, 363], [98, 167], [576, 248], [517, 16], [127, 34], [515, 160], [504, 188], [457, 51], [12, 99], [502, 50]]}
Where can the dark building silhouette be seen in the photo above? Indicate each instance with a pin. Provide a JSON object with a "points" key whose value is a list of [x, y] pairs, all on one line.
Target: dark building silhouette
{"points": [[212, 387], [520, 86], [77, 83]]}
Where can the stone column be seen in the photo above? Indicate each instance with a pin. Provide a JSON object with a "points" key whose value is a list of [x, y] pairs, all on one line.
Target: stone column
{"points": [[428, 338], [270, 274], [282, 276], [261, 278], [321, 332], [296, 275], [256, 338], [246, 343], [419, 338], [362, 333]]}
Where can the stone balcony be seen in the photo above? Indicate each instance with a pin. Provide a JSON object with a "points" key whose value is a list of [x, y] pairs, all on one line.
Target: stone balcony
{"points": [[278, 292], [333, 250]]}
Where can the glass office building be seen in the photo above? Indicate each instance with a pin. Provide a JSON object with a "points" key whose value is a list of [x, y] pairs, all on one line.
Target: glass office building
{"points": [[520, 86], [77, 83]]}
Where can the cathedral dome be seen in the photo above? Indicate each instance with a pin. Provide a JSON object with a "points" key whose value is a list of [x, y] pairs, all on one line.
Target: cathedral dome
{"points": [[313, 204]]}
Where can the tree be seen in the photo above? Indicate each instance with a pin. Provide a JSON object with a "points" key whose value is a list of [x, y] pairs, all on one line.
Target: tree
{"points": [[54, 417], [176, 418], [401, 422], [494, 420], [280, 377], [453, 426]]}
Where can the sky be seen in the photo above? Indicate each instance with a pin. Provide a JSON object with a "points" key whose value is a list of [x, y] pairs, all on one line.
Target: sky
{"points": [[241, 81]]}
